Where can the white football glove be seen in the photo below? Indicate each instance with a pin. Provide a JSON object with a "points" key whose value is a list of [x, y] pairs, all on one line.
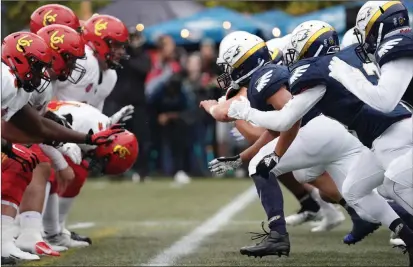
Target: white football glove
{"points": [[239, 109], [122, 115], [340, 70], [222, 99], [220, 166], [72, 151], [236, 134]]}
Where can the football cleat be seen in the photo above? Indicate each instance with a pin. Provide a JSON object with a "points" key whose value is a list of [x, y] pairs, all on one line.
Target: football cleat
{"points": [[10, 250], [361, 229], [303, 216], [78, 237], [64, 239], [331, 219], [272, 243]]}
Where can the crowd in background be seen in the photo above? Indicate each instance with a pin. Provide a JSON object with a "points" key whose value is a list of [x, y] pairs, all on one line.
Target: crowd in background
{"points": [[166, 85]]}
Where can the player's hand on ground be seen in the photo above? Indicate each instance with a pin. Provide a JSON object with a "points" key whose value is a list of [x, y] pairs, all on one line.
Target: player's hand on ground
{"points": [[239, 109], [72, 151], [104, 137], [64, 178], [221, 165], [123, 114], [267, 164], [27, 158]]}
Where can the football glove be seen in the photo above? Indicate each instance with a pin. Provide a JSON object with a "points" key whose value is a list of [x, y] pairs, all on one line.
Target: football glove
{"points": [[72, 151], [239, 109], [236, 134], [123, 114], [220, 166], [23, 155], [103, 137], [267, 164]]}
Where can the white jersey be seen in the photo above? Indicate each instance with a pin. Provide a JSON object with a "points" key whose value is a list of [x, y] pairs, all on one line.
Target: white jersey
{"points": [[12, 97], [85, 90], [85, 117], [109, 78]]}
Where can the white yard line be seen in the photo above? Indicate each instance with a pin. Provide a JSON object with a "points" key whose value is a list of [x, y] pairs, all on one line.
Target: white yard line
{"points": [[194, 239], [81, 225]]}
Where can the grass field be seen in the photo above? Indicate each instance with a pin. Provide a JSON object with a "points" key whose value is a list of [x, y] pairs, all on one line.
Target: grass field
{"points": [[136, 224]]}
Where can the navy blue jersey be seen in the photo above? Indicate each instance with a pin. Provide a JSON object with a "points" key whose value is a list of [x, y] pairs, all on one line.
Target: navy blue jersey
{"points": [[265, 82], [338, 102], [394, 47]]}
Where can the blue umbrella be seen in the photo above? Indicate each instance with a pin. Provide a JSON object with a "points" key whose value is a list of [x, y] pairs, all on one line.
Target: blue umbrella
{"points": [[212, 23]]}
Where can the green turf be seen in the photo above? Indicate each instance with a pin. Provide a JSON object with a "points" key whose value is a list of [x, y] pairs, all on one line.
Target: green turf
{"points": [[135, 222]]}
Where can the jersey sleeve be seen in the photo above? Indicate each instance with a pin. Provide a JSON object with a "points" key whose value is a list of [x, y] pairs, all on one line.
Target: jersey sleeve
{"points": [[395, 47], [305, 76], [270, 81]]}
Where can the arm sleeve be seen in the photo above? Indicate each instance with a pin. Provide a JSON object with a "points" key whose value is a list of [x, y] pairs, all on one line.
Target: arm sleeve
{"points": [[57, 158], [282, 120], [395, 77]]}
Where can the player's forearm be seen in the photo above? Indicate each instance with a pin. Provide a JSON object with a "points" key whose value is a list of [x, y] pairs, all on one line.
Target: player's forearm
{"points": [[286, 139], [55, 156], [12, 134], [282, 120], [394, 80], [53, 131], [219, 112], [249, 131], [251, 151]]}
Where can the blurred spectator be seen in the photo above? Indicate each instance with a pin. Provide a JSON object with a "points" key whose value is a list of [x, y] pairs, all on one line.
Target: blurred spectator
{"points": [[130, 90], [170, 107]]}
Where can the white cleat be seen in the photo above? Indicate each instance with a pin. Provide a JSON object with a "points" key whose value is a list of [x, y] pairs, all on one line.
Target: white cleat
{"points": [[332, 218], [303, 217], [396, 241], [63, 239], [10, 250], [31, 241]]}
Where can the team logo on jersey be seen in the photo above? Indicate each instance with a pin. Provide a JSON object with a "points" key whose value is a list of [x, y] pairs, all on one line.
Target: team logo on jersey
{"points": [[299, 36], [263, 81], [22, 42], [231, 53], [121, 151], [54, 40], [49, 18], [56, 105], [388, 46], [100, 26], [298, 72]]}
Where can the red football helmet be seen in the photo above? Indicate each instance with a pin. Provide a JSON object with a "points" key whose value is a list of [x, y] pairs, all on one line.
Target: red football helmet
{"points": [[107, 36], [53, 14], [119, 155], [28, 56], [67, 46]]}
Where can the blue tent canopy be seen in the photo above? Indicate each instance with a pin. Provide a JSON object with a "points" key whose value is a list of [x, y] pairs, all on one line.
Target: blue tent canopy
{"points": [[275, 18], [209, 23]]}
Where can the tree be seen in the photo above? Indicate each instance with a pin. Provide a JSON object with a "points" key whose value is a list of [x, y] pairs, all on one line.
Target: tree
{"points": [[16, 16]]}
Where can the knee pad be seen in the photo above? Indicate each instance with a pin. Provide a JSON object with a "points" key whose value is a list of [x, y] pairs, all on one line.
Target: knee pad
{"points": [[13, 186], [74, 187]]}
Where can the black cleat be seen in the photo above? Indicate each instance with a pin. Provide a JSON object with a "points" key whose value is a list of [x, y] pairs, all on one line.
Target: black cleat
{"points": [[78, 237], [8, 261], [272, 244]]}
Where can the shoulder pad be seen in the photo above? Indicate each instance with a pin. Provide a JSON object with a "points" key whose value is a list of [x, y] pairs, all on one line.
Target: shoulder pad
{"points": [[394, 47], [305, 74]]}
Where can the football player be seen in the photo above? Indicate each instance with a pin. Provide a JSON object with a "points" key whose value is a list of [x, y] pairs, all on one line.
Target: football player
{"points": [[385, 37], [389, 134], [246, 59], [114, 159]]}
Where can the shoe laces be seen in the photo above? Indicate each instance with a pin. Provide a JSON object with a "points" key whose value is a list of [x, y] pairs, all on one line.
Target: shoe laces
{"points": [[402, 248], [264, 236]]}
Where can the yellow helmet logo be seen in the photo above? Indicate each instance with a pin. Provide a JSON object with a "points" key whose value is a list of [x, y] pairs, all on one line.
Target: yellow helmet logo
{"points": [[121, 150], [49, 19], [22, 42], [100, 26], [54, 40]]}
